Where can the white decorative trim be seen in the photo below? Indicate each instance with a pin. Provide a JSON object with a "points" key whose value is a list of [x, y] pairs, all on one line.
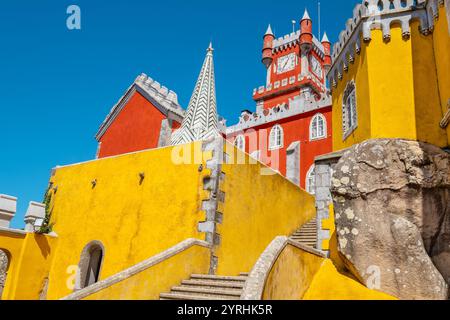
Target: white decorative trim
{"points": [[366, 18], [276, 133], [348, 130], [298, 105], [293, 39], [310, 174], [239, 142], [325, 133]]}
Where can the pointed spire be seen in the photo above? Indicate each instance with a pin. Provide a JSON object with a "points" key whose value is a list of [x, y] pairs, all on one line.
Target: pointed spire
{"points": [[306, 15], [325, 38], [269, 31], [201, 121], [210, 48]]}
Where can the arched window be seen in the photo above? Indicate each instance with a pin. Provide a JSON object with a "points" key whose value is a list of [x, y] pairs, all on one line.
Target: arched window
{"points": [[276, 139], [349, 116], [318, 127], [311, 180], [4, 265], [240, 142], [90, 265]]}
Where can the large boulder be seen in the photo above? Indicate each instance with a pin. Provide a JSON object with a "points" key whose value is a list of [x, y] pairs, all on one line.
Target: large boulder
{"points": [[392, 210]]}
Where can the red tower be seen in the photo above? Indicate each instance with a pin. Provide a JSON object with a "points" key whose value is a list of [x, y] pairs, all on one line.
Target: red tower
{"points": [[306, 35], [292, 122], [327, 49], [267, 57]]}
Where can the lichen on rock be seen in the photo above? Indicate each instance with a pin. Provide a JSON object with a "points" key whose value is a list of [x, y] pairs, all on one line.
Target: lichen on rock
{"points": [[394, 196]]}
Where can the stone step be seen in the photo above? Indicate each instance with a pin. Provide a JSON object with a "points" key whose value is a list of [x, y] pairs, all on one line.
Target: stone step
{"points": [[309, 236], [177, 296], [207, 291], [218, 278], [211, 283], [305, 233]]}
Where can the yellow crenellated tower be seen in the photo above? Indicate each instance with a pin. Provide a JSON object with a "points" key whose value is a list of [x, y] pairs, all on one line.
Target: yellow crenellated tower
{"points": [[390, 76]]}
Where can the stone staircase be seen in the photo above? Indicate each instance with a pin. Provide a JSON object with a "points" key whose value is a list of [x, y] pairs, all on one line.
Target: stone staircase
{"points": [[208, 287], [307, 234]]}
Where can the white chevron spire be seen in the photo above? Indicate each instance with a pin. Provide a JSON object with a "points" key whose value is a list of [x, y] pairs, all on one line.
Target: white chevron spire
{"points": [[200, 122]]}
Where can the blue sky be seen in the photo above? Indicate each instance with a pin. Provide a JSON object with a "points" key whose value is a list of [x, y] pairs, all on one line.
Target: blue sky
{"points": [[57, 86]]}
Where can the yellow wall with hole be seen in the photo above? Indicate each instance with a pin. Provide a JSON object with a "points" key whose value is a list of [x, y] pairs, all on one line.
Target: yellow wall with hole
{"points": [[133, 219], [258, 207]]}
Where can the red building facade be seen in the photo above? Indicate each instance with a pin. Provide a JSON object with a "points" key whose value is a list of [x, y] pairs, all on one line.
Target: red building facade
{"points": [[144, 118], [292, 121]]}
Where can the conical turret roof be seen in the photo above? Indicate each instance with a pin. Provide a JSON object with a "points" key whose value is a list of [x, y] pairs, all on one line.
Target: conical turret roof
{"points": [[201, 121]]}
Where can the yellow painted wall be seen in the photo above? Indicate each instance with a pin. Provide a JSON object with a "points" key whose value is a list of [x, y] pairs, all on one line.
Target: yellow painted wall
{"points": [[300, 275], [30, 260], [426, 88], [11, 244], [257, 208], [329, 284], [441, 42], [358, 72], [133, 221], [291, 274], [402, 87], [160, 278], [391, 86]]}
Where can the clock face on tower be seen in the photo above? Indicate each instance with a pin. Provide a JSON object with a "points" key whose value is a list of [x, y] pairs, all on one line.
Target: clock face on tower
{"points": [[316, 67], [286, 63]]}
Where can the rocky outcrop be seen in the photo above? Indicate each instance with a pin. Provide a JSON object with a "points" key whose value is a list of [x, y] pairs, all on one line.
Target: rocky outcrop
{"points": [[392, 210], [3, 266]]}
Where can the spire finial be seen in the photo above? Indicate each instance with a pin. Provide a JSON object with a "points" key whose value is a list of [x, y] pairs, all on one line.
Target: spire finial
{"points": [[325, 38], [210, 47], [269, 31], [201, 120], [306, 15]]}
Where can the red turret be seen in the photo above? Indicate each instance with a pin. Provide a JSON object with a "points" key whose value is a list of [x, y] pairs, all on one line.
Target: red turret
{"points": [[267, 55], [306, 35], [327, 48]]}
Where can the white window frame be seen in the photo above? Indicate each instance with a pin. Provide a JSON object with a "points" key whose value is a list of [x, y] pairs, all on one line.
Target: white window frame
{"points": [[239, 142], [349, 112], [310, 174], [315, 120], [276, 138]]}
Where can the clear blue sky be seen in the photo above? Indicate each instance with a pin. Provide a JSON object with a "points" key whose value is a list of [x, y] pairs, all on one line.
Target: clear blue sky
{"points": [[57, 86]]}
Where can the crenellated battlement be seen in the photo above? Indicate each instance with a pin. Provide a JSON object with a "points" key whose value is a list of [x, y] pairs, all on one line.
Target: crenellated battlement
{"points": [[296, 106], [379, 15]]}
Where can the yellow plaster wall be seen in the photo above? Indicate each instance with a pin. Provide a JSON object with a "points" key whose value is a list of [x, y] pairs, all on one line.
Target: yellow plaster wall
{"points": [[291, 274], [358, 71], [391, 86], [426, 87], [11, 244], [30, 260], [441, 42], [257, 208], [300, 275], [160, 278], [402, 87], [329, 284], [133, 220]]}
